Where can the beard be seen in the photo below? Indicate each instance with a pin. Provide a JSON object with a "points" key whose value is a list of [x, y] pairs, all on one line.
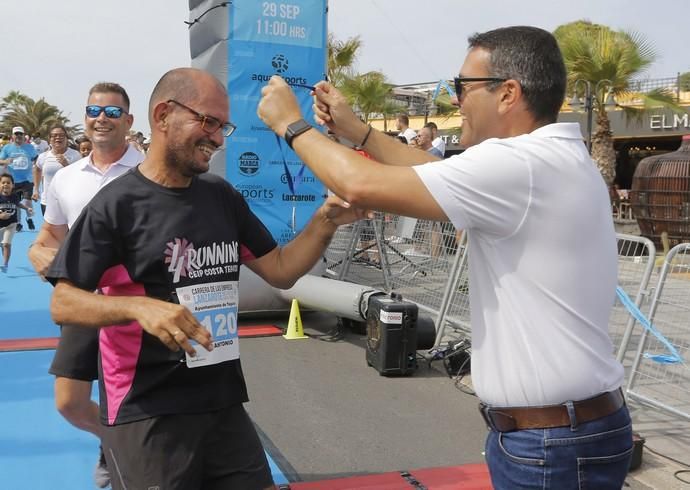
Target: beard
{"points": [[181, 158]]}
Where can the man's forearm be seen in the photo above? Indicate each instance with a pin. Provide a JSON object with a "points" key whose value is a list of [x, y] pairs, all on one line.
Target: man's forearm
{"points": [[50, 236], [74, 306], [390, 151], [345, 171], [38, 175], [303, 252]]}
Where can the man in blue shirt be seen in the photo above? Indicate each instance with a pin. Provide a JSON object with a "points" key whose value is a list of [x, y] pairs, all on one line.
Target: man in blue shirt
{"points": [[18, 159]]}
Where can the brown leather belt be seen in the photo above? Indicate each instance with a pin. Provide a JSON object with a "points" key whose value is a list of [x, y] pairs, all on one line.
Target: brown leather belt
{"points": [[518, 418]]}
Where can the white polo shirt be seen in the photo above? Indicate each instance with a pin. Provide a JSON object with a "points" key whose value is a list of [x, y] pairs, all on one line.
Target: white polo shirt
{"points": [[48, 164], [543, 265], [73, 186], [409, 134], [439, 143]]}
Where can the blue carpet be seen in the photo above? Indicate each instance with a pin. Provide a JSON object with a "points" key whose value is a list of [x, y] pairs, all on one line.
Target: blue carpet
{"points": [[24, 298], [39, 450]]}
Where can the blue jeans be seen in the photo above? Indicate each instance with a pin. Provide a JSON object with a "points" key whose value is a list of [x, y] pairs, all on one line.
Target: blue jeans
{"points": [[593, 455]]}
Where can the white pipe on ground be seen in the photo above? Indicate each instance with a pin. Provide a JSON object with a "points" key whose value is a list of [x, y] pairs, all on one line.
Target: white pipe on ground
{"points": [[344, 299]]}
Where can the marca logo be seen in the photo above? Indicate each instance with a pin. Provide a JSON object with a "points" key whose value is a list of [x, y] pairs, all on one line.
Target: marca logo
{"points": [[249, 164]]}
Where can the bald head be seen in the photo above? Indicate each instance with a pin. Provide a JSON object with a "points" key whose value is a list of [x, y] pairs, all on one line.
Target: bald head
{"points": [[183, 85]]}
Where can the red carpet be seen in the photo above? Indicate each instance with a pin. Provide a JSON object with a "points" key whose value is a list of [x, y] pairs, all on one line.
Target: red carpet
{"points": [[9, 345], [465, 477], [259, 331]]}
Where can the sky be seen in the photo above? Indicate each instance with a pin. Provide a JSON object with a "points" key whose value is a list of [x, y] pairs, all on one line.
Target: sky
{"points": [[57, 49]]}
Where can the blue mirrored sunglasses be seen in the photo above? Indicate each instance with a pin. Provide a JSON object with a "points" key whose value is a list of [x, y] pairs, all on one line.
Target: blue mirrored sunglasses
{"points": [[111, 111]]}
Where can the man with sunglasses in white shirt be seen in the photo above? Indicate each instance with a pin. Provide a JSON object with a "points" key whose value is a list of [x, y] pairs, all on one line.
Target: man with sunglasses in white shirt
{"points": [[542, 245], [107, 121]]}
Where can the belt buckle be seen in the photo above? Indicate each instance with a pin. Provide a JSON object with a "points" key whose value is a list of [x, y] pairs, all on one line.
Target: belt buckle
{"points": [[506, 424]]}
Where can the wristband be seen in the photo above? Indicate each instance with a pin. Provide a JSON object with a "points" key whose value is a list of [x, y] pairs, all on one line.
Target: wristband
{"points": [[366, 137]]}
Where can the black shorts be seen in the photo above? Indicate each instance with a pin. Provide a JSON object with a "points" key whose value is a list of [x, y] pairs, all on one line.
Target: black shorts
{"points": [[211, 451], [24, 189], [76, 356]]}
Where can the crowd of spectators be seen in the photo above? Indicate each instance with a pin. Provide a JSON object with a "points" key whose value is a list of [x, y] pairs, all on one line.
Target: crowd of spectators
{"points": [[27, 165]]}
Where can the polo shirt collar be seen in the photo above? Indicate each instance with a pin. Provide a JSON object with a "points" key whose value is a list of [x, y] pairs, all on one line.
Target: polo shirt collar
{"points": [[570, 130], [128, 159]]}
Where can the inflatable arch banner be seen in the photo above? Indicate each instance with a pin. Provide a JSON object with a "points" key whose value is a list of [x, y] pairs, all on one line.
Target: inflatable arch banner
{"points": [[244, 43]]}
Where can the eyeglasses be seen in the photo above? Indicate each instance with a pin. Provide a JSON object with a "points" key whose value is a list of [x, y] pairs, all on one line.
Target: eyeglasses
{"points": [[58, 136], [459, 81], [208, 123], [111, 111]]}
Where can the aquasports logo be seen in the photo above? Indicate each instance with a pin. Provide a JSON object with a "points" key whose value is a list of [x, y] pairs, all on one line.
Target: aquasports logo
{"points": [[280, 64], [249, 164], [184, 260]]}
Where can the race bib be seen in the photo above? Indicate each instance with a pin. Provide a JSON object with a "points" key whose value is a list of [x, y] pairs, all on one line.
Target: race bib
{"points": [[20, 162], [215, 306]]}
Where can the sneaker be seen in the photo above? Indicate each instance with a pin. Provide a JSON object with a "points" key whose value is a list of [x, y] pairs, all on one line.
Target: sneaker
{"points": [[19, 227], [30, 222], [101, 475], [3, 268]]}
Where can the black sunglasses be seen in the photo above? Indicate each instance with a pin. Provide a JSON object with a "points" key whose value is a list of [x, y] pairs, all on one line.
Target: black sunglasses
{"points": [[459, 81], [111, 111], [208, 123]]}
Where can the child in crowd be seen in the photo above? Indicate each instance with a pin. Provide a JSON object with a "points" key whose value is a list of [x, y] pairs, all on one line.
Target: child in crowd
{"points": [[9, 201], [85, 146]]}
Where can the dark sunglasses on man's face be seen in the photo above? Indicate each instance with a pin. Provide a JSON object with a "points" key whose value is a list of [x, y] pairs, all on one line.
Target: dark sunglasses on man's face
{"points": [[111, 111], [459, 81]]}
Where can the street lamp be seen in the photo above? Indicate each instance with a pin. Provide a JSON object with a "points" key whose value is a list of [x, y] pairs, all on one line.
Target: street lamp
{"points": [[589, 98]]}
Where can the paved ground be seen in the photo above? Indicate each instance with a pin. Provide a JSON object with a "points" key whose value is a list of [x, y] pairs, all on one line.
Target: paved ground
{"points": [[327, 414]]}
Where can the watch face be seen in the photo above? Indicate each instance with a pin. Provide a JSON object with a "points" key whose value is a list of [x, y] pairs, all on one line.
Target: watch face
{"points": [[295, 129]]}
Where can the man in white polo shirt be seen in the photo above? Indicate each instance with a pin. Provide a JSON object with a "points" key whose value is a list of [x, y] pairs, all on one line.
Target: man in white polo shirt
{"points": [[542, 244], [107, 122]]}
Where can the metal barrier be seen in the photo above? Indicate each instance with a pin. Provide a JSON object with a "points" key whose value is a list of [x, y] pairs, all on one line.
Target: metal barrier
{"points": [[427, 263], [636, 256], [413, 257], [655, 382]]}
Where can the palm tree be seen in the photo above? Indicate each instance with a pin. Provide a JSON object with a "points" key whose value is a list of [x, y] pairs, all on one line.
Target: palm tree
{"points": [[35, 116], [594, 52], [368, 94], [341, 58]]}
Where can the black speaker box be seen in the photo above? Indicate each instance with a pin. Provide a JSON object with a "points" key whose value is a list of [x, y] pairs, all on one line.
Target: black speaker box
{"points": [[392, 335]]}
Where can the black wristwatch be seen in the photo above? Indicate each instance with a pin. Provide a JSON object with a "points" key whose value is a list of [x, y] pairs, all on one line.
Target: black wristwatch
{"points": [[295, 129]]}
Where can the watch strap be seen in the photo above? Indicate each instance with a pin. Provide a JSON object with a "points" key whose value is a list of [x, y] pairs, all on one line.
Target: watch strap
{"points": [[295, 129]]}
